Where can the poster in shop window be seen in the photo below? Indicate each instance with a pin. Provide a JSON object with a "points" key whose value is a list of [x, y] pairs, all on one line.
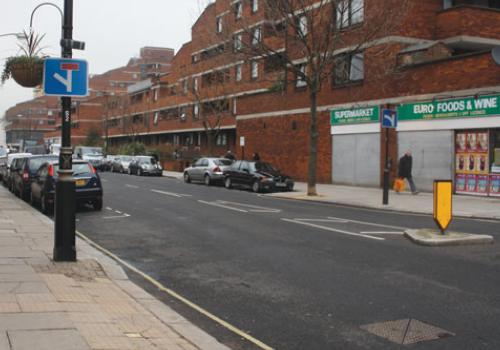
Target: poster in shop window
{"points": [[495, 185], [482, 142], [471, 183], [460, 183], [460, 163], [482, 185], [461, 142], [471, 142], [481, 163]]}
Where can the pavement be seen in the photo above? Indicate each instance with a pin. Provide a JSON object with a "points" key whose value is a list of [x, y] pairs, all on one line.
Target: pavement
{"points": [[366, 197], [90, 304]]}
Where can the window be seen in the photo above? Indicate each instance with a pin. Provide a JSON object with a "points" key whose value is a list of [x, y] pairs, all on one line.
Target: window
{"points": [[155, 95], [155, 119], [239, 72], [235, 106], [255, 6], [350, 12], [195, 58], [256, 36], [483, 3], [196, 111], [221, 139], [185, 86], [238, 10], [300, 72], [255, 69], [275, 62], [238, 42], [302, 26], [195, 84], [348, 68], [183, 114], [219, 25]]}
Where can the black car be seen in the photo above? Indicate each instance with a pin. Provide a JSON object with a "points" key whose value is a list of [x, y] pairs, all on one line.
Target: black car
{"points": [[23, 172], [259, 176], [88, 185], [145, 165]]}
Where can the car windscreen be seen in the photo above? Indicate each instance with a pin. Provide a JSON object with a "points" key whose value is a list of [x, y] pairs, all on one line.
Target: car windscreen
{"points": [[78, 169], [223, 162], [264, 167], [36, 162], [147, 160], [126, 158]]}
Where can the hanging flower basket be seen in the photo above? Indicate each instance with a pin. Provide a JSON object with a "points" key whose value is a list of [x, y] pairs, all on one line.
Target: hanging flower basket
{"points": [[27, 71]]}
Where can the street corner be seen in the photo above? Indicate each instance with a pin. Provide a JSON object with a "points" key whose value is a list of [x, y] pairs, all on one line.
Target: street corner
{"points": [[434, 238]]}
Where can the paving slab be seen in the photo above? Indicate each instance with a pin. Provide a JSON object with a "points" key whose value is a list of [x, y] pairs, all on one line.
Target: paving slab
{"points": [[65, 339], [32, 321]]}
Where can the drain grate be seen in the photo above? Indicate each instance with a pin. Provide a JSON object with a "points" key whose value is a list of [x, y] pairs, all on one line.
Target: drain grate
{"points": [[406, 331]]}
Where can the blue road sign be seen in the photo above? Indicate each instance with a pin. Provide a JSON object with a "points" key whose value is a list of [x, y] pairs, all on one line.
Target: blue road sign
{"points": [[65, 77], [389, 119]]}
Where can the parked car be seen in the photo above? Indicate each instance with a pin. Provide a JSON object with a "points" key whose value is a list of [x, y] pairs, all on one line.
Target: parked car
{"points": [[145, 165], [23, 171], [121, 163], [5, 168], [107, 162], [90, 154], [259, 176], [208, 170], [88, 185]]}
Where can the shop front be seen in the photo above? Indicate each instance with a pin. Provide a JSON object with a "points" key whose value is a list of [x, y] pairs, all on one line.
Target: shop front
{"points": [[459, 138]]}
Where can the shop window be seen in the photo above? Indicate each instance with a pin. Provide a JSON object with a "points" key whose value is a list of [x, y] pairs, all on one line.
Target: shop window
{"points": [[348, 68], [349, 12]]}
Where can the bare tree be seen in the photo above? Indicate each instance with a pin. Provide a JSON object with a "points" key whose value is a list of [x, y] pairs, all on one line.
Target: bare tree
{"points": [[312, 42]]}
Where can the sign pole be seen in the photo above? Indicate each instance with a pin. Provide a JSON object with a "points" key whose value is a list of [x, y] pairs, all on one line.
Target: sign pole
{"points": [[65, 200], [385, 199]]}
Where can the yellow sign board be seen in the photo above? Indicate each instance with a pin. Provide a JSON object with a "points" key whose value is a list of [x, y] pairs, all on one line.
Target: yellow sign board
{"points": [[443, 194]]}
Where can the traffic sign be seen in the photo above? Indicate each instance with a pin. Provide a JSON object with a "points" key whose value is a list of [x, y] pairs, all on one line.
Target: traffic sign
{"points": [[442, 213], [65, 77], [389, 119]]}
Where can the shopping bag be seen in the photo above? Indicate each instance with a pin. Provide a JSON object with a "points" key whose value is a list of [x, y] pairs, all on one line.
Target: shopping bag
{"points": [[399, 184]]}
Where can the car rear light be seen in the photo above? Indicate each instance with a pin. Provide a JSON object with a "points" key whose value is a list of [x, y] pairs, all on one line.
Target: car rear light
{"points": [[92, 168], [26, 175], [51, 170], [216, 170]]}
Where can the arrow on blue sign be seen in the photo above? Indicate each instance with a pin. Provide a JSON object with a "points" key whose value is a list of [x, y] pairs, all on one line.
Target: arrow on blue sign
{"points": [[65, 77], [389, 119]]}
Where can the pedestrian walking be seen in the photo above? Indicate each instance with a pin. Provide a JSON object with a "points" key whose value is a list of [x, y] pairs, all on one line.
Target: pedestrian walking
{"points": [[405, 168], [256, 157], [230, 155]]}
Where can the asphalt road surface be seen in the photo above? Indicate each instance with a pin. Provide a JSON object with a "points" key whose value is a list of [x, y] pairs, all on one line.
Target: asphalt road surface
{"points": [[298, 275]]}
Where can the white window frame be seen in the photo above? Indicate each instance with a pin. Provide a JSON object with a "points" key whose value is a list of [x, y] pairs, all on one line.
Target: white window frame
{"points": [[255, 6], [195, 84], [196, 111], [300, 82], [238, 9], [256, 35], [239, 72], [238, 42], [155, 118], [254, 68], [219, 25], [350, 12], [155, 95], [303, 25]]}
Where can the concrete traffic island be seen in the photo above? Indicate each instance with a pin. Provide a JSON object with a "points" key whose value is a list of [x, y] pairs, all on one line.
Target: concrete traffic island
{"points": [[434, 237]]}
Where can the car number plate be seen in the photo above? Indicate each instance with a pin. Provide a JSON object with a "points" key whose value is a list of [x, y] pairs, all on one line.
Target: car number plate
{"points": [[81, 183], [281, 184]]}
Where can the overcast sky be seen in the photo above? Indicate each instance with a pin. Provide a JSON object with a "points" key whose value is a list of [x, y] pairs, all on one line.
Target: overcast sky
{"points": [[113, 30]]}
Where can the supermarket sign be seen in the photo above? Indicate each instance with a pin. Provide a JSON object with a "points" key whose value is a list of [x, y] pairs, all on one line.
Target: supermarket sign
{"points": [[355, 115], [457, 108]]}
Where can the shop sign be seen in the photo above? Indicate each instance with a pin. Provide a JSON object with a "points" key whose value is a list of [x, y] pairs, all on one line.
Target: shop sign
{"points": [[458, 108], [355, 115]]}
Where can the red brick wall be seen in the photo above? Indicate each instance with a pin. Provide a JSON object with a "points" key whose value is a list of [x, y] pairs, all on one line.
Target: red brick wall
{"points": [[466, 20]]}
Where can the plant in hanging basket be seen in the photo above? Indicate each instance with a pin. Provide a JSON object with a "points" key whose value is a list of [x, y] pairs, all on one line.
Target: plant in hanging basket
{"points": [[26, 69]]}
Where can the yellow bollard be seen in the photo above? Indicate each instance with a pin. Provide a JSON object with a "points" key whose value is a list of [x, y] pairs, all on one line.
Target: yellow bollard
{"points": [[443, 197]]}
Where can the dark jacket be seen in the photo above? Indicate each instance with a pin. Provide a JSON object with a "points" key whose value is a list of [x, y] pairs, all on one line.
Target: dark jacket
{"points": [[405, 164]]}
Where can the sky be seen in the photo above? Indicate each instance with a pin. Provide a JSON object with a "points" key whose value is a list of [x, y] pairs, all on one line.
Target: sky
{"points": [[113, 31]]}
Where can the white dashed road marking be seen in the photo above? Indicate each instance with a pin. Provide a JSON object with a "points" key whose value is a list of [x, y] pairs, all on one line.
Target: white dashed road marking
{"points": [[172, 194], [131, 186]]}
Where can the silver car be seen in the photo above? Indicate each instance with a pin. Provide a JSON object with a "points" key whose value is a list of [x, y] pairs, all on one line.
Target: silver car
{"points": [[208, 170], [121, 163]]}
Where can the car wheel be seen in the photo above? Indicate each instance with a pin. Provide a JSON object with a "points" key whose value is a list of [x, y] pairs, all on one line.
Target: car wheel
{"points": [[129, 171], [208, 180], [139, 172], [228, 183], [187, 178], [97, 204], [256, 186], [289, 188]]}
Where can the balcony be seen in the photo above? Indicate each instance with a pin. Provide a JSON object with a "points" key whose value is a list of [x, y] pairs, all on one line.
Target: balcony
{"points": [[469, 24]]}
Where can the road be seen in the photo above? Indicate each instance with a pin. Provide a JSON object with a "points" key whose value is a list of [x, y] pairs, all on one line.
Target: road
{"points": [[298, 275]]}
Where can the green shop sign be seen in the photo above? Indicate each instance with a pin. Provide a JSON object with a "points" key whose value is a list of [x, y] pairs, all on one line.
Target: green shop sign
{"points": [[458, 108], [355, 115]]}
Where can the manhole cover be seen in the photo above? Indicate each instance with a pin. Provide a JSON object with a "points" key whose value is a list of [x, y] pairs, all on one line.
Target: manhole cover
{"points": [[406, 331]]}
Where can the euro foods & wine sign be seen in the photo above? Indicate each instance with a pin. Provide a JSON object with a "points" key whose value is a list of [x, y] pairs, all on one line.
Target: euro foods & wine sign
{"points": [[458, 108]]}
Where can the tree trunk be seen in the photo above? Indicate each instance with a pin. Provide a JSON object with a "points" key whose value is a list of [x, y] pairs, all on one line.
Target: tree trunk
{"points": [[313, 145], [210, 142]]}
